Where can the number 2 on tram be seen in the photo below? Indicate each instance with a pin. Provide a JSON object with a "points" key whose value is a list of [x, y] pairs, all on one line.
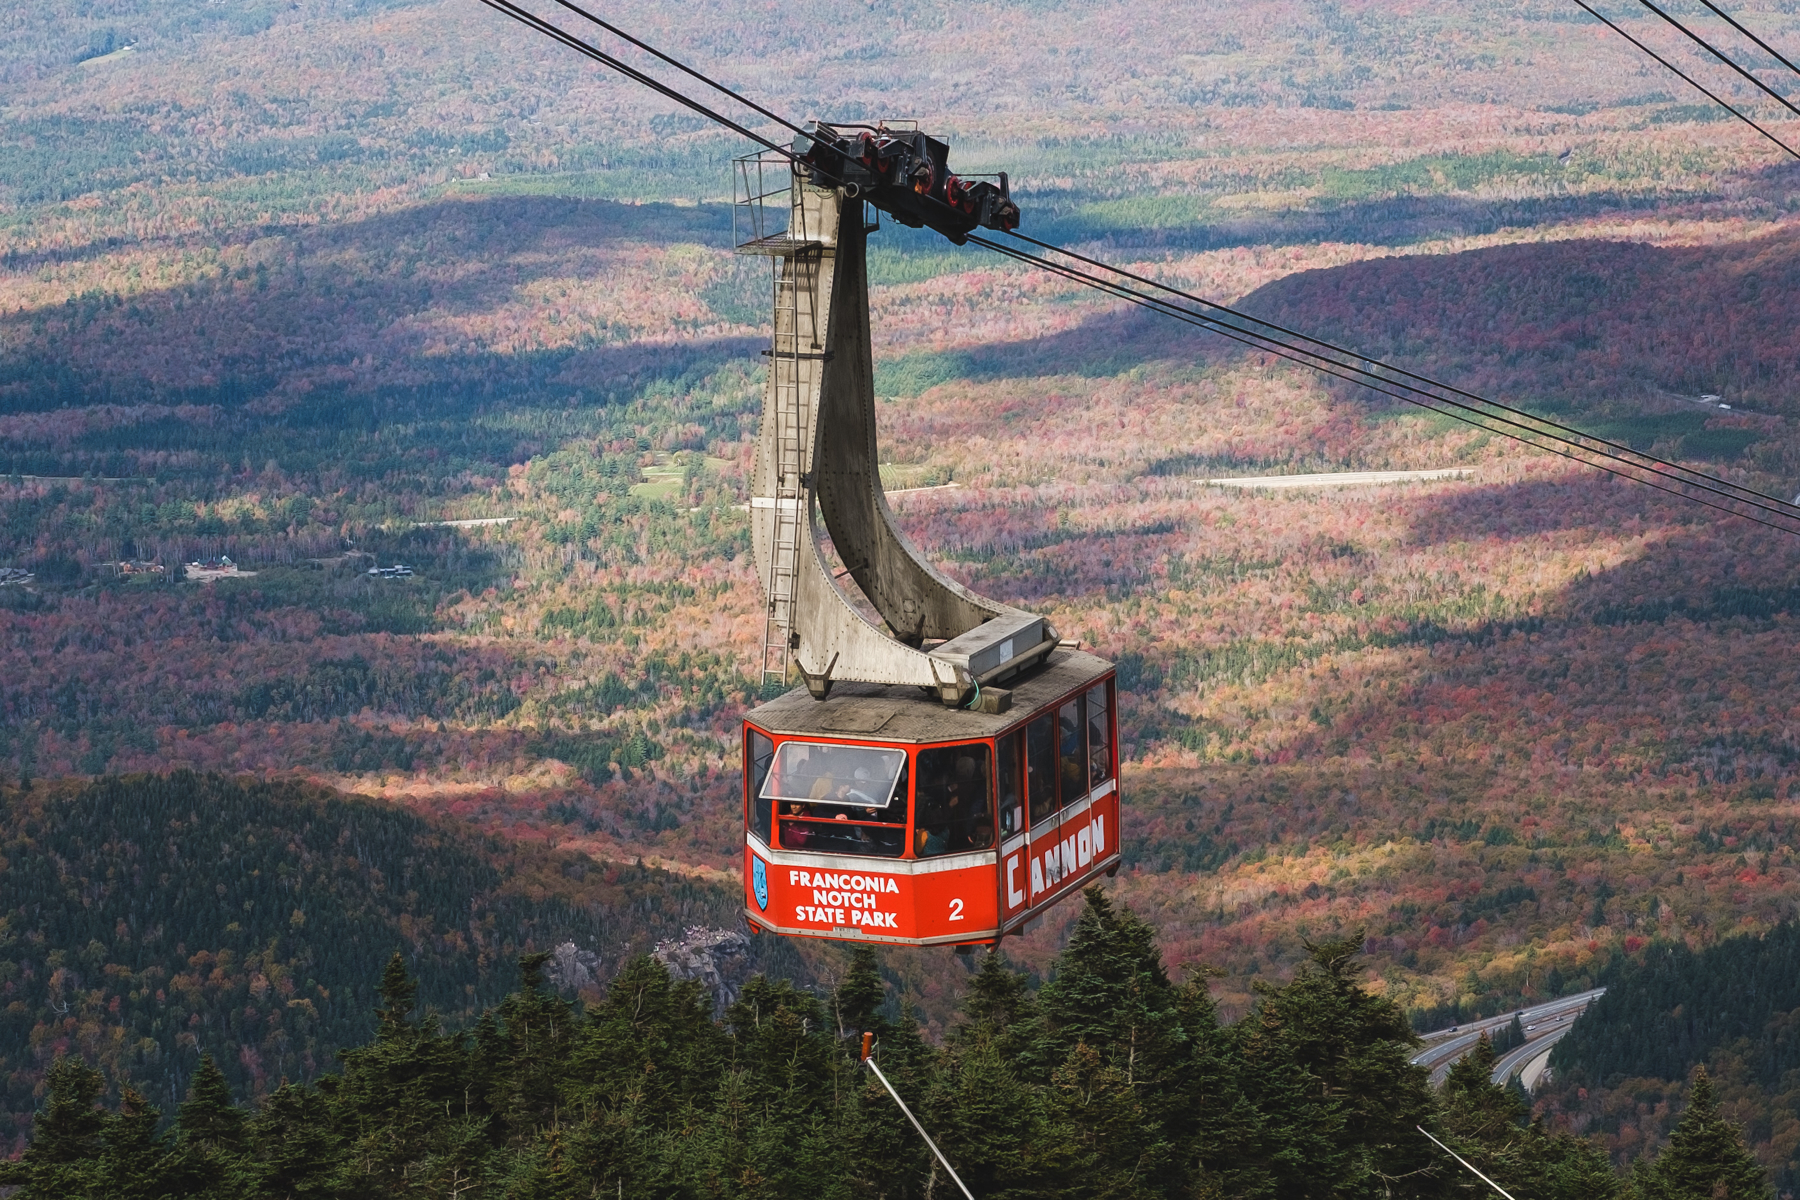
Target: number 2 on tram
{"points": [[879, 815]]}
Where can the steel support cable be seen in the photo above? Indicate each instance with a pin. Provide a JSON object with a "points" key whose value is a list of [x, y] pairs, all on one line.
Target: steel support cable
{"points": [[1419, 397], [1687, 476], [533, 21], [1696, 85], [647, 48], [1732, 21], [1468, 415], [1718, 54]]}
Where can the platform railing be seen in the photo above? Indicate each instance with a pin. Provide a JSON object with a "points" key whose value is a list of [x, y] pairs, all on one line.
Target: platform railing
{"points": [[764, 187]]}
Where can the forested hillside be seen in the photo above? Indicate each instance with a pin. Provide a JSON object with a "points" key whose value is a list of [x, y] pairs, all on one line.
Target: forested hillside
{"points": [[147, 921], [1733, 1006], [1608, 332], [1111, 1080]]}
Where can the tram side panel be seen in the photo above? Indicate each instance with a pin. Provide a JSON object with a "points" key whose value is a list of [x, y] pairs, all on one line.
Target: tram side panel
{"points": [[1064, 766], [871, 899], [1067, 854]]}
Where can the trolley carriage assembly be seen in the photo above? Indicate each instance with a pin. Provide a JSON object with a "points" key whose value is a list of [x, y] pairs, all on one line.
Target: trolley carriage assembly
{"points": [[948, 773]]}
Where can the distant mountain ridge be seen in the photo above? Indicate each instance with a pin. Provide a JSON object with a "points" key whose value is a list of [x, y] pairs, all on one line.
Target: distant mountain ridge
{"points": [[1636, 331]]}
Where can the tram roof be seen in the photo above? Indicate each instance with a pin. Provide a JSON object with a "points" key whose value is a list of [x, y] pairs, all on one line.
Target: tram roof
{"points": [[902, 714]]}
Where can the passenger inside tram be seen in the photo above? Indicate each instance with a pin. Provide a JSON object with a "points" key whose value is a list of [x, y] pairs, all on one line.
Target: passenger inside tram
{"points": [[955, 801], [1012, 783], [840, 799], [1072, 751]]}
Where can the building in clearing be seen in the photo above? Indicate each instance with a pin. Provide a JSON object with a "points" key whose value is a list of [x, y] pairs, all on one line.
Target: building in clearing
{"points": [[214, 568]]}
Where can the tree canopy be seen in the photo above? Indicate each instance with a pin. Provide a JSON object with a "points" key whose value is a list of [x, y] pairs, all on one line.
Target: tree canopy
{"points": [[1112, 1081]]}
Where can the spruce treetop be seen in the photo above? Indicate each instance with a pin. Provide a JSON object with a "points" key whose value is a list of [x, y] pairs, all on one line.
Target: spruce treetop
{"points": [[399, 995], [208, 1117], [1706, 1158]]}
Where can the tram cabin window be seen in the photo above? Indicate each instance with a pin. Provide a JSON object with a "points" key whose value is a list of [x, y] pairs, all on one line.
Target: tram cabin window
{"points": [[955, 804], [839, 799], [856, 776], [1071, 751], [759, 754], [1040, 767], [1011, 767], [1099, 735]]}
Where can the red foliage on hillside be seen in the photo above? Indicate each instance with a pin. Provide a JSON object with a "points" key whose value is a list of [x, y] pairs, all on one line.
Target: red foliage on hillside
{"points": [[1566, 321]]}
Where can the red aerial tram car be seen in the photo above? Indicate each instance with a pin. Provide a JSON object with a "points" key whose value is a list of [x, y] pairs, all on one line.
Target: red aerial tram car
{"points": [[878, 814], [950, 768]]}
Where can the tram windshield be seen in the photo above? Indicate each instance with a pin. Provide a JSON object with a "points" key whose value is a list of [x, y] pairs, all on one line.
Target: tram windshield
{"points": [[839, 799], [820, 773]]}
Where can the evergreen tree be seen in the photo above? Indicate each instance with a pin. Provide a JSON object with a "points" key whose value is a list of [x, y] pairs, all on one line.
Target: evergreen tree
{"points": [[772, 1130], [405, 1101], [1111, 994], [1301, 1146], [133, 1160], [887, 1153], [884, 1151], [68, 1130], [1491, 1126], [1220, 1127], [61, 1163], [1485, 1123], [1329, 1065], [207, 1119], [399, 995], [1474, 1107], [1515, 1088], [1111, 1019], [1100, 1140], [528, 1054], [1510, 1037], [646, 1067], [991, 1124], [998, 1007], [1572, 1168], [1706, 1158], [297, 1143], [858, 999], [210, 1138]]}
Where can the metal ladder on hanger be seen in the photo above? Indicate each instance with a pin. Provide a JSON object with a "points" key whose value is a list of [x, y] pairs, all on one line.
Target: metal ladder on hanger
{"points": [[795, 341]]}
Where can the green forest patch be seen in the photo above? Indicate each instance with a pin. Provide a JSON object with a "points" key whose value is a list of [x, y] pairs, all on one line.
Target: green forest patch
{"points": [[1439, 174], [189, 914]]}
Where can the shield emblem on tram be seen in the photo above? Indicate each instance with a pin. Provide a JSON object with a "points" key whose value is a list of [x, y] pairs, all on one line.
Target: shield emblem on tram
{"points": [[759, 881]]}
